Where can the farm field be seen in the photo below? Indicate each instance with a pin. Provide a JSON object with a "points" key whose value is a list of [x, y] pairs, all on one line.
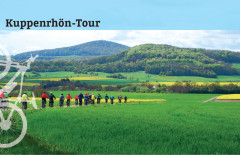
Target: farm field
{"points": [[229, 97], [140, 76], [181, 124], [132, 78]]}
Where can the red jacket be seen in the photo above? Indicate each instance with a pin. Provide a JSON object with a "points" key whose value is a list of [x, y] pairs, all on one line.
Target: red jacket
{"points": [[44, 95], [2, 95], [120, 97], [69, 97], [76, 97]]}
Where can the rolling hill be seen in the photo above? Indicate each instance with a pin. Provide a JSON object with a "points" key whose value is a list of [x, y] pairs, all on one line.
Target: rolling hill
{"points": [[155, 59], [83, 51]]}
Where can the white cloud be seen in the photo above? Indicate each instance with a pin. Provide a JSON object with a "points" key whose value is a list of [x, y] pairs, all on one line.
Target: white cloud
{"points": [[29, 40]]}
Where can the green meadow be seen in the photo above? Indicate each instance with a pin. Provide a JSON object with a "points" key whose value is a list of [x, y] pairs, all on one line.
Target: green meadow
{"points": [[141, 76], [236, 65], [182, 124]]}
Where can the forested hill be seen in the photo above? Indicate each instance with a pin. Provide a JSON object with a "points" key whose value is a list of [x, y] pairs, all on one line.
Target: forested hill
{"points": [[155, 59], [82, 51]]}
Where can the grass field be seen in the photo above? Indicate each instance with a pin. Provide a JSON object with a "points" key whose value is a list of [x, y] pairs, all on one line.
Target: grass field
{"points": [[143, 77], [150, 123], [236, 65], [181, 124]]}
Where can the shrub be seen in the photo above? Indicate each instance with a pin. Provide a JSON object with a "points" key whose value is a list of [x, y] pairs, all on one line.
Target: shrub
{"points": [[117, 76]]}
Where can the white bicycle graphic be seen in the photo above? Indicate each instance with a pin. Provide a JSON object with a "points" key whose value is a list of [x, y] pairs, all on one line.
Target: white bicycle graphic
{"points": [[13, 122]]}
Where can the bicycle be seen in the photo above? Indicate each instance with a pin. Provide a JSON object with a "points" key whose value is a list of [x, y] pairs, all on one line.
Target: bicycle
{"points": [[13, 125], [43, 104]]}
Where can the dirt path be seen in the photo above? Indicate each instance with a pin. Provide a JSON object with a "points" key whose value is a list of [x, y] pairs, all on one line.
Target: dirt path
{"points": [[210, 99], [61, 107]]}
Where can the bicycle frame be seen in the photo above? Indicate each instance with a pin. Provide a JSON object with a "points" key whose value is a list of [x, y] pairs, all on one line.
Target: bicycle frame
{"points": [[22, 70]]}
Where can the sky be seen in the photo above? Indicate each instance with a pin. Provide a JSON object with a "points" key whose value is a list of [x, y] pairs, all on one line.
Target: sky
{"points": [[211, 24], [29, 40], [128, 14]]}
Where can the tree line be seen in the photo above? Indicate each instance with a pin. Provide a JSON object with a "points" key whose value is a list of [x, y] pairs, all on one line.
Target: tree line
{"points": [[177, 87], [185, 87]]}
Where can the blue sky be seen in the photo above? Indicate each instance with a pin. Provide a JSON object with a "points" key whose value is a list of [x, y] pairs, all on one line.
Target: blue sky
{"points": [[22, 41], [130, 14], [212, 24]]}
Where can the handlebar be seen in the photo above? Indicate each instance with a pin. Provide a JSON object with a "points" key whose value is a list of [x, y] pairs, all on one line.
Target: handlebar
{"points": [[17, 65]]}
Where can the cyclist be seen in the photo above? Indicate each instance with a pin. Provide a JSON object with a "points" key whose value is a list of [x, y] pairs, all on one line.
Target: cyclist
{"points": [[106, 98], [89, 98], [120, 98], [112, 98], [61, 100], [2, 96], [86, 99], [76, 100], [5, 104], [69, 97], [80, 97], [24, 101], [99, 97], [44, 97], [93, 98], [125, 99], [6, 95], [51, 99]]}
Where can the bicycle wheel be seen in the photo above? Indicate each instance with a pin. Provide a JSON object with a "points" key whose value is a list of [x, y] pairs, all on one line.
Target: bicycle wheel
{"points": [[43, 104], [12, 132]]}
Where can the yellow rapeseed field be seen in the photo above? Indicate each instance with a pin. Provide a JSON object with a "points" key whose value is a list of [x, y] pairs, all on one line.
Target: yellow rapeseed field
{"points": [[198, 83], [229, 97], [24, 84], [146, 100], [29, 84]]}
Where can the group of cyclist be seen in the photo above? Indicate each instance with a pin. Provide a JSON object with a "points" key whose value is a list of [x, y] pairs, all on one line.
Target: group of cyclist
{"points": [[3, 100], [79, 99]]}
